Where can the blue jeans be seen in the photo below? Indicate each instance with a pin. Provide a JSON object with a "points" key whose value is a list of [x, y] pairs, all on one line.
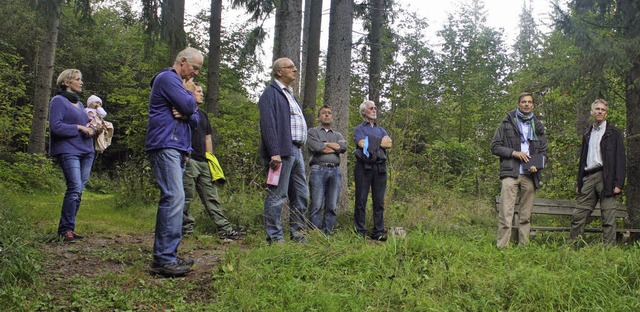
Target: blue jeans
{"points": [[324, 185], [76, 169], [168, 165], [292, 185], [374, 178]]}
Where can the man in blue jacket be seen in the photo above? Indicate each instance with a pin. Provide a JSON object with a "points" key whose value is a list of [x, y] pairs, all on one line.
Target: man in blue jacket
{"points": [[283, 132], [370, 171], [172, 106]]}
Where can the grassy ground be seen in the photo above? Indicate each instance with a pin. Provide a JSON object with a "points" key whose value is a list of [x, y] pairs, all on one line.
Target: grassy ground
{"points": [[447, 262]]}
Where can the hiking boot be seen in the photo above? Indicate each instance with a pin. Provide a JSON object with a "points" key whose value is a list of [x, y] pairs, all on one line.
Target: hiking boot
{"points": [[68, 237], [381, 238], [231, 235], [76, 236], [173, 269], [186, 262], [300, 239]]}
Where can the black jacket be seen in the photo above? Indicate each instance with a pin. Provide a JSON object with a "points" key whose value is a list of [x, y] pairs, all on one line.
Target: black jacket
{"points": [[506, 140], [613, 159]]}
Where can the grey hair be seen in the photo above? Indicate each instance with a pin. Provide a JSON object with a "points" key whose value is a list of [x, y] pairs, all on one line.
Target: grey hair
{"points": [[598, 101], [277, 65], [363, 106], [190, 54]]}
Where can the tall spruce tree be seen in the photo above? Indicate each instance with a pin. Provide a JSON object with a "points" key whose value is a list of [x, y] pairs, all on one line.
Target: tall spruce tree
{"points": [[608, 33], [311, 60], [472, 75], [338, 81]]}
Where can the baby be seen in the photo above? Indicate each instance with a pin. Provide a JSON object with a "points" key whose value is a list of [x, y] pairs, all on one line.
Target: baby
{"points": [[95, 112], [103, 129]]}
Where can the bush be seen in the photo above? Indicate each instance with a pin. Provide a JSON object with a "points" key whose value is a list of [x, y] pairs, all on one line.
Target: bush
{"points": [[453, 165], [15, 114], [135, 182], [29, 172]]}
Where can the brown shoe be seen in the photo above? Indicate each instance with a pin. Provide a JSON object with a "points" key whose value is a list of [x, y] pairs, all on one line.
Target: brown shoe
{"points": [[68, 237]]}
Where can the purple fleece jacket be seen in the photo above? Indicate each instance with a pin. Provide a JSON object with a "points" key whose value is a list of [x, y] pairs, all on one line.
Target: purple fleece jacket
{"points": [[164, 131], [64, 119]]}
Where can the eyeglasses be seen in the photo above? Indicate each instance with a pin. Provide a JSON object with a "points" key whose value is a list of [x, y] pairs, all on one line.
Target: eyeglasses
{"points": [[290, 67]]}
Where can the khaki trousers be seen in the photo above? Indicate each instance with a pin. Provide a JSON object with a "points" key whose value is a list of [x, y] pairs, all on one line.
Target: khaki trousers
{"points": [[508, 197], [592, 192]]}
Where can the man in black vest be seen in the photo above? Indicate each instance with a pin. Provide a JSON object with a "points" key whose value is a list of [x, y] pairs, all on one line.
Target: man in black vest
{"points": [[197, 177]]}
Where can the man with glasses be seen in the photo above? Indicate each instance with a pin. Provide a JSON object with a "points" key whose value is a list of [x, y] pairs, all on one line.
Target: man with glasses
{"points": [[283, 133], [370, 171], [168, 144]]}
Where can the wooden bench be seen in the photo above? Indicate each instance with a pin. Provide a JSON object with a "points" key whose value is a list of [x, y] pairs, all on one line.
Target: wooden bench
{"points": [[561, 207]]}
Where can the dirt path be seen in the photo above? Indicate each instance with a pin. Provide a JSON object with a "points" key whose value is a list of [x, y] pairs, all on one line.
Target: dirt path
{"points": [[93, 257]]}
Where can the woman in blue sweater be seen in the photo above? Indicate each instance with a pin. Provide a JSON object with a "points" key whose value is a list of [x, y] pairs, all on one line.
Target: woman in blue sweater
{"points": [[72, 144]]}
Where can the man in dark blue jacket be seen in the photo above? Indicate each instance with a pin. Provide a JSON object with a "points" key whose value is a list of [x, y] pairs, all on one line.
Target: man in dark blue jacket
{"points": [[600, 173], [283, 132], [370, 171], [172, 106]]}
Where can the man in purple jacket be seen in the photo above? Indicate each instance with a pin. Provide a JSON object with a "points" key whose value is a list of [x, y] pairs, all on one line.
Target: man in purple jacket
{"points": [[283, 131], [172, 106]]}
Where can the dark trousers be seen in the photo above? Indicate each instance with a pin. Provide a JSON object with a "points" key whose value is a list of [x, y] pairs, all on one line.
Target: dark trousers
{"points": [[593, 192], [374, 178]]}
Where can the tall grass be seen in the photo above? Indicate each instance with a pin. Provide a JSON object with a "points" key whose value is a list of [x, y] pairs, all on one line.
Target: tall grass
{"points": [[20, 263], [428, 270], [447, 262]]}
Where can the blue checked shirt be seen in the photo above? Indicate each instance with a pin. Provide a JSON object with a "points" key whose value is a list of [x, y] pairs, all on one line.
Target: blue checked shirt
{"points": [[298, 124]]}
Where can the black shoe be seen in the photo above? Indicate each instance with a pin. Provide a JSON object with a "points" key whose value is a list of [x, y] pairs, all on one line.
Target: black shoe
{"points": [[76, 236], [232, 235], [186, 262], [275, 242], [173, 269], [300, 239], [381, 238]]}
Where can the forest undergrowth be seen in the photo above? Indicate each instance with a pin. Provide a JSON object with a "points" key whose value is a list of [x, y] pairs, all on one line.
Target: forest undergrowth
{"points": [[443, 258]]}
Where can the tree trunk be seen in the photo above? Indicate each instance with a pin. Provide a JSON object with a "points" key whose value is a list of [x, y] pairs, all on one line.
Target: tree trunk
{"points": [[173, 27], [375, 61], [213, 73], [632, 191], [288, 30], [310, 69], [44, 76], [338, 81], [305, 43]]}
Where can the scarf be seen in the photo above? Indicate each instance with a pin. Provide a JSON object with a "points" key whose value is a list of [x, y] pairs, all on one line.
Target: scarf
{"points": [[526, 120], [71, 96]]}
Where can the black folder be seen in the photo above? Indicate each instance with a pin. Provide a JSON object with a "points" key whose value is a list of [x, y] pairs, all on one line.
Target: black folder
{"points": [[537, 160]]}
